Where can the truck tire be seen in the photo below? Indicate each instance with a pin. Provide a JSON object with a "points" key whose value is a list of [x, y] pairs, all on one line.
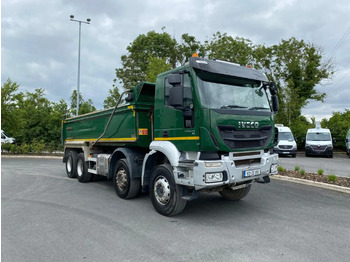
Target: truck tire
{"points": [[125, 186], [82, 169], [166, 196], [71, 164], [234, 195]]}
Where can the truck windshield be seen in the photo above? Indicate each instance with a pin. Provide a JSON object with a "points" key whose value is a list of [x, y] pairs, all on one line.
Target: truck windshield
{"points": [[225, 92], [318, 137]]}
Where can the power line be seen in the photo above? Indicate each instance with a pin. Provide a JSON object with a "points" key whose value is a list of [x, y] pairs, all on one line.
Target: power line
{"points": [[339, 43]]}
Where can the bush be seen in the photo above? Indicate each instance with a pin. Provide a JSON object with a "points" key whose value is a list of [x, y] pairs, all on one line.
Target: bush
{"points": [[297, 168], [38, 146], [6, 147], [320, 171], [332, 178], [280, 169], [302, 172], [25, 148], [13, 149]]}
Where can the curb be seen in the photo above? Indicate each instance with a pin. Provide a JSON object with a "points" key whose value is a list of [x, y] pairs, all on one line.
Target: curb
{"points": [[312, 183], [30, 156]]}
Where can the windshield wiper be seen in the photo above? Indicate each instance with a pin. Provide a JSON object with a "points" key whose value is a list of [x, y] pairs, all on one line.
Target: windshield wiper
{"points": [[257, 108], [232, 106]]}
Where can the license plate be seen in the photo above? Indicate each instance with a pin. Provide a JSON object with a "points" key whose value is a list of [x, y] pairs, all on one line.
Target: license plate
{"points": [[251, 172]]}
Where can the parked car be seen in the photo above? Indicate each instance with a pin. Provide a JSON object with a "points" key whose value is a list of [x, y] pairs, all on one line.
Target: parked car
{"points": [[347, 141], [286, 142], [6, 139], [319, 142]]}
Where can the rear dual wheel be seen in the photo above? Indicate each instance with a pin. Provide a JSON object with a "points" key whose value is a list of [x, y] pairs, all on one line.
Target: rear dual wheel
{"points": [[82, 169], [71, 164], [125, 186]]}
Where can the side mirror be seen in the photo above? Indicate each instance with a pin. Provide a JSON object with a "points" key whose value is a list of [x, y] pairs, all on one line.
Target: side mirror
{"points": [[275, 106], [347, 140], [130, 97], [176, 92], [175, 79]]}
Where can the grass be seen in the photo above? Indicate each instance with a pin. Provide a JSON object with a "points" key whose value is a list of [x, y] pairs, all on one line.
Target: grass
{"points": [[280, 169], [302, 172], [332, 178], [320, 171], [297, 168]]}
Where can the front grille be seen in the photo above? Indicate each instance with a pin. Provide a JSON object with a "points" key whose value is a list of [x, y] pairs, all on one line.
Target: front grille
{"points": [[319, 148], [245, 139], [285, 147]]}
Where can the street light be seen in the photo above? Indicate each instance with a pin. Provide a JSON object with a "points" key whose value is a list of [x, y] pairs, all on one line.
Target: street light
{"points": [[78, 84]]}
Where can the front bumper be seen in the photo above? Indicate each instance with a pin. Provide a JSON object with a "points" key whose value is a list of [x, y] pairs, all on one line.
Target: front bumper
{"points": [[233, 167], [328, 151], [285, 151]]}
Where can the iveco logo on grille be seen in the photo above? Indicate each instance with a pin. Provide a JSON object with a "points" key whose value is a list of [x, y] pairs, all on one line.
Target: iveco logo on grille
{"points": [[248, 124]]}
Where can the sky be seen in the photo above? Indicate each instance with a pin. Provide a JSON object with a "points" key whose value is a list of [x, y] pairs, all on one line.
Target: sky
{"points": [[39, 43]]}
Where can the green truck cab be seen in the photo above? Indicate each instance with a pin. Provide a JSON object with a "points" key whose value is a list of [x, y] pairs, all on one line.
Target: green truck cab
{"points": [[207, 126]]}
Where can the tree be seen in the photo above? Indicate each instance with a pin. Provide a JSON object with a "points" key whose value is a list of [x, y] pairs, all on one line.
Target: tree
{"points": [[112, 99], [339, 125], [9, 118], [224, 47], [188, 46], [84, 106], [155, 67], [296, 67], [140, 51]]}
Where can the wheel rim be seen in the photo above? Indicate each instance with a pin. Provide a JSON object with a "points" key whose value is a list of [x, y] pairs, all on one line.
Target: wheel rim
{"points": [[121, 179], [162, 190], [80, 168], [69, 164]]}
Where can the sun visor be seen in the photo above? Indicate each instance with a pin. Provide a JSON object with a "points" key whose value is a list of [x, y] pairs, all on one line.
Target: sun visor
{"points": [[226, 68]]}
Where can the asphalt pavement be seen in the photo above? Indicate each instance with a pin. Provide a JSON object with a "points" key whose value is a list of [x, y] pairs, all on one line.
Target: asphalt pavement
{"points": [[49, 217]]}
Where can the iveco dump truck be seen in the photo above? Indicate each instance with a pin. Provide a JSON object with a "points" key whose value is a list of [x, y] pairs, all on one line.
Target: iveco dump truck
{"points": [[207, 126]]}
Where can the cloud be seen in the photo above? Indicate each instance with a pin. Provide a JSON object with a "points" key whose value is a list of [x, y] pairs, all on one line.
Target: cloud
{"points": [[40, 43]]}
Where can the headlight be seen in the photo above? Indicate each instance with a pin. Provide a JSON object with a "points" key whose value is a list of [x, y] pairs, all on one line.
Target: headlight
{"points": [[330, 145], [213, 177]]}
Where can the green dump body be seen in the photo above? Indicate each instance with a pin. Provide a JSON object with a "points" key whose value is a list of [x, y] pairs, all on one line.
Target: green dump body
{"points": [[130, 123]]}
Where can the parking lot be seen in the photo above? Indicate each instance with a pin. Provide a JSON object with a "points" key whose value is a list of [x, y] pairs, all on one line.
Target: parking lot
{"points": [[339, 165], [49, 217]]}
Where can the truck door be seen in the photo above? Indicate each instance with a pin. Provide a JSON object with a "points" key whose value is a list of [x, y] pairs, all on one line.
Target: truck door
{"points": [[176, 123]]}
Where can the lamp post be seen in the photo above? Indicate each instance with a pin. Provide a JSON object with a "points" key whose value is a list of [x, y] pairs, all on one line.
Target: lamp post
{"points": [[78, 84]]}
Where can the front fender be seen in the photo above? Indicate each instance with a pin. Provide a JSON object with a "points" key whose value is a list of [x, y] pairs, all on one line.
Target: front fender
{"points": [[168, 149]]}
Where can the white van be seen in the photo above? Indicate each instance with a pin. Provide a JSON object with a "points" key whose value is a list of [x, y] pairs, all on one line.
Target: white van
{"points": [[348, 143], [6, 139], [319, 142], [286, 142]]}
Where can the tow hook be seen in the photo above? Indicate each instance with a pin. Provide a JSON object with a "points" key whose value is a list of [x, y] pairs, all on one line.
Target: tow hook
{"points": [[264, 180]]}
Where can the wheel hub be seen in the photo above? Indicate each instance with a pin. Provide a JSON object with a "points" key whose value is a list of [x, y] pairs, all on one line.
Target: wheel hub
{"points": [[162, 190], [69, 164], [80, 168], [121, 179]]}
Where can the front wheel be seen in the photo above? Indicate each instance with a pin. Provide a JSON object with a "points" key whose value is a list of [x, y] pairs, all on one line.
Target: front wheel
{"points": [[234, 195], [165, 194]]}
